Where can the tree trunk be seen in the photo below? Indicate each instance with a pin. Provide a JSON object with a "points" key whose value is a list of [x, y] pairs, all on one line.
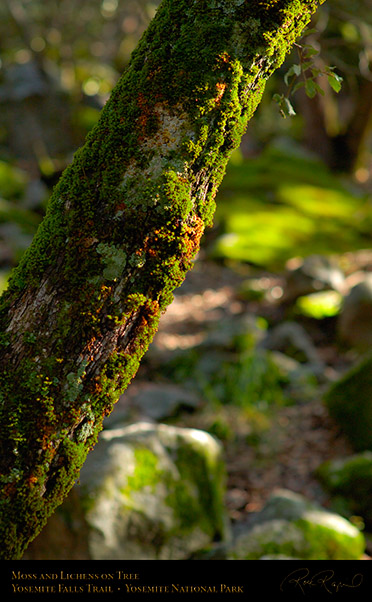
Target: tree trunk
{"points": [[121, 229]]}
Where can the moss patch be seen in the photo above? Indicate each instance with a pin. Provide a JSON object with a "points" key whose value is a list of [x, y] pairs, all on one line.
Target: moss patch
{"points": [[349, 402]]}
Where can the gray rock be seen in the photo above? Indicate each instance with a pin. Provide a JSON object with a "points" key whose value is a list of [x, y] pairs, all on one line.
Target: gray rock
{"points": [[292, 526], [154, 401], [292, 339], [314, 273], [301, 384], [146, 492], [355, 320]]}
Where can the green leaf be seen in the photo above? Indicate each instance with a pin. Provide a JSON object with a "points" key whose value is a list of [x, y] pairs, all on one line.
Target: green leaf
{"points": [[309, 50], [310, 88], [298, 86], [278, 98], [293, 70], [307, 65], [335, 81], [318, 89]]}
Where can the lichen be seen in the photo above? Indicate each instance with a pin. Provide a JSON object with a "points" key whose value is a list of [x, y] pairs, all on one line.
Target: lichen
{"points": [[122, 227], [114, 260]]}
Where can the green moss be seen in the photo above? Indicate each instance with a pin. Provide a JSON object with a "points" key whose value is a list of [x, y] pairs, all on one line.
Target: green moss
{"points": [[349, 402], [146, 471], [207, 474], [186, 508], [343, 476], [329, 543], [315, 536], [112, 253], [349, 481]]}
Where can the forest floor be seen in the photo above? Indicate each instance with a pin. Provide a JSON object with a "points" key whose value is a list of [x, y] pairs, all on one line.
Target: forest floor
{"points": [[300, 437]]}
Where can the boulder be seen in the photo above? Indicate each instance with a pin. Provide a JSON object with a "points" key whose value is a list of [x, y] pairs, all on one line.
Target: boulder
{"points": [[291, 526], [349, 480], [355, 320], [146, 492], [349, 402]]}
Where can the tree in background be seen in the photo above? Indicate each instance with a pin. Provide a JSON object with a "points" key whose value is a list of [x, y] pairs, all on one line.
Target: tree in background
{"points": [[60, 61], [121, 229], [336, 127]]}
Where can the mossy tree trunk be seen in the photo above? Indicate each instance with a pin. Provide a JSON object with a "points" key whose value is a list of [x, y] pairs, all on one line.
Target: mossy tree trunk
{"points": [[121, 229]]}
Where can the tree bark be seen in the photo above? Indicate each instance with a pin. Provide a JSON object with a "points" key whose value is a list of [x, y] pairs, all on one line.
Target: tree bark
{"points": [[122, 227]]}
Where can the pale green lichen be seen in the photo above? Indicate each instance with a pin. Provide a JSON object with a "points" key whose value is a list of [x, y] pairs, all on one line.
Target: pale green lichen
{"points": [[114, 259], [86, 427]]}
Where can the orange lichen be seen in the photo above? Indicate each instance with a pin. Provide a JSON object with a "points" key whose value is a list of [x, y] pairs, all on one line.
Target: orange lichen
{"points": [[192, 236], [221, 87], [32, 480]]}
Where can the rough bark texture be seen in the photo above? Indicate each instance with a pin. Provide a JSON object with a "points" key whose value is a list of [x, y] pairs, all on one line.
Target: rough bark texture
{"points": [[121, 229]]}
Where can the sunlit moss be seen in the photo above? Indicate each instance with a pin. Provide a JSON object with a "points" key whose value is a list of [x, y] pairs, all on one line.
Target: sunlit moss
{"points": [[320, 305], [286, 205]]}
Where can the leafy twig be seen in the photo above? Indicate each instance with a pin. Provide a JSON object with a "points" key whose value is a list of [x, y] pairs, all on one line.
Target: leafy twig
{"points": [[309, 73]]}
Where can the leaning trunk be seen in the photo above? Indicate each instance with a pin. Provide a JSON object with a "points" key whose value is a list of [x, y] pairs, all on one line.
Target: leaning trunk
{"points": [[121, 229]]}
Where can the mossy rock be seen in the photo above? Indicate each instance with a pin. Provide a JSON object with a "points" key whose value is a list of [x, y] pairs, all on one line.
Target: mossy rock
{"points": [[149, 492], [349, 402], [355, 321], [350, 481], [291, 526]]}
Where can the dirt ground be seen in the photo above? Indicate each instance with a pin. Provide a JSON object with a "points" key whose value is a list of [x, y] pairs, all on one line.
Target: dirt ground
{"points": [[300, 436]]}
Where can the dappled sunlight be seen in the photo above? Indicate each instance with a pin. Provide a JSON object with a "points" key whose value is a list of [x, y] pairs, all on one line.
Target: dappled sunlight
{"points": [[290, 205]]}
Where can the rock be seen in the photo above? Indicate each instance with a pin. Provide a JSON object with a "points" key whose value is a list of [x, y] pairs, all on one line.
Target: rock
{"points": [[311, 274], [155, 401], [291, 526], [349, 480], [292, 339], [349, 402], [146, 492], [355, 320], [301, 384]]}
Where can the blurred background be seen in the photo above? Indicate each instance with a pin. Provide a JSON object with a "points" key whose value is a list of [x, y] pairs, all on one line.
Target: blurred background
{"points": [[278, 306], [59, 62]]}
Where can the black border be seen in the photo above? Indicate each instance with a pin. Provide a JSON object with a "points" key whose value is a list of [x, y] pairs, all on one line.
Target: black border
{"points": [[86, 581]]}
